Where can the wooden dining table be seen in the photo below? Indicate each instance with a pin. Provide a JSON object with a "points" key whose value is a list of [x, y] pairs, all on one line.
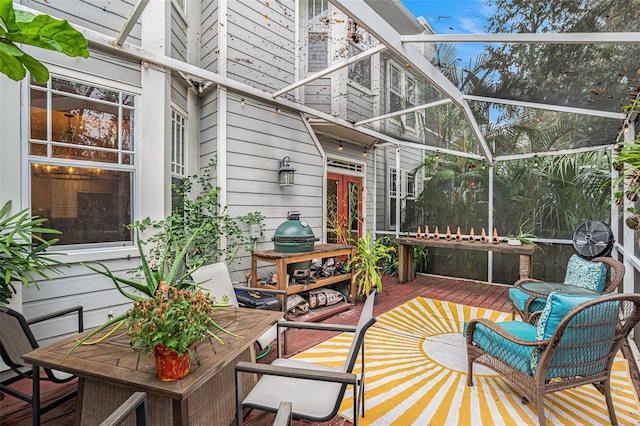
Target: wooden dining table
{"points": [[111, 371]]}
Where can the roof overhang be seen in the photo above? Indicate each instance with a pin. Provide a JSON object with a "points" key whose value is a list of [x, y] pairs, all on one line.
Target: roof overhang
{"points": [[342, 133]]}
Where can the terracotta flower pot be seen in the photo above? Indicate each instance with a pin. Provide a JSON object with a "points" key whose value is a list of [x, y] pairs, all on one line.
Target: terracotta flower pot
{"points": [[169, 365]]}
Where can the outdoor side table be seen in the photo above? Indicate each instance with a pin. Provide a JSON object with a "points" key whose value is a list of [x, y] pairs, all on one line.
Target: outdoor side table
{"points": [[111, 371], [544, 289]]}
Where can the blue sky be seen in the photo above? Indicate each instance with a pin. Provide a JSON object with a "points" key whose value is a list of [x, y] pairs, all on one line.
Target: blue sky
{"points": [[454, 17]]}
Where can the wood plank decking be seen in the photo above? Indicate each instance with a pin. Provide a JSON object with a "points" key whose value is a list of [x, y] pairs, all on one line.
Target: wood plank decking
{"points": [[14, 412]]}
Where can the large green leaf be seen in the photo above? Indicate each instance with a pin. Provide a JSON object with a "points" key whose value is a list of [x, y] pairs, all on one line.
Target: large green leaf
{"points": [[7, 16], [49, 33], [10, 65]]}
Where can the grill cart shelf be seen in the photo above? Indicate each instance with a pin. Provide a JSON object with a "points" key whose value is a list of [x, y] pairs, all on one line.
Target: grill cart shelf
{"points": [[281, 260]]}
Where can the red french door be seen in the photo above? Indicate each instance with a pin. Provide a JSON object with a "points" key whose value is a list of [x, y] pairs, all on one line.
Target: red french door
{"points": [[344, 208]]}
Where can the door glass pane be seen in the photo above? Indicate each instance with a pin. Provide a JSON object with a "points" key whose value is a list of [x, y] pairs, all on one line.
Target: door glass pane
{"points": [[332, 211], [353, 201]]}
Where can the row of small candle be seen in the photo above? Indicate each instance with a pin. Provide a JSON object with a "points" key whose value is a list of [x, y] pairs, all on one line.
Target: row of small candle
{"points": [[458, 236]]}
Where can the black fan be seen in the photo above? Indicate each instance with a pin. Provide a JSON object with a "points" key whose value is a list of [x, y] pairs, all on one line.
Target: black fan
{"points": [[593, 238]]}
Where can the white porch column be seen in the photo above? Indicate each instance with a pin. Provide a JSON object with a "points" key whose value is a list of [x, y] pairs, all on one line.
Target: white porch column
{"points": [[154, 148], [14, 178]]}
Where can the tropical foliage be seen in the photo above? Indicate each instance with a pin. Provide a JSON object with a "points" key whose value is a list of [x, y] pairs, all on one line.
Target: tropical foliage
{"points": [[366, 262], [23, 252], [42, 31]]}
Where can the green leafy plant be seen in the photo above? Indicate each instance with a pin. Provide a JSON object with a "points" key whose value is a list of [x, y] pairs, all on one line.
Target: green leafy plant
{"points": [[390, 265], [200, 212], [43, 31], [421, 258], [365, 263], [176, 318], [23, 255]]}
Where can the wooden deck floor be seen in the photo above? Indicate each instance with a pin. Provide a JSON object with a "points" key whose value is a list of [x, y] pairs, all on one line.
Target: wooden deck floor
{"points": [[14, 412]]}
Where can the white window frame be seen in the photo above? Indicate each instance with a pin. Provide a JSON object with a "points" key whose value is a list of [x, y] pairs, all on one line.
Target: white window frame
{"points": [[318, 29], [76, 251], [408, 99], [179, 140], [406, 177]]}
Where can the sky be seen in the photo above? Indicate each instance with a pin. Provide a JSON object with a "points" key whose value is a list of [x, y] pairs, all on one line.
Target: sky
{"points": [[454, 17]]}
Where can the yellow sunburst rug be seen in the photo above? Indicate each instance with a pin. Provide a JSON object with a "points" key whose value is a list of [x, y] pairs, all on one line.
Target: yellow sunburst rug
{"points": [[416, 365]]}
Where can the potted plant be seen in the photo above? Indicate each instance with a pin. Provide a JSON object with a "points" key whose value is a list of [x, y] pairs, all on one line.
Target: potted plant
{"points": [[171, 322], [23, 255], [169, 311], [365, 263]]}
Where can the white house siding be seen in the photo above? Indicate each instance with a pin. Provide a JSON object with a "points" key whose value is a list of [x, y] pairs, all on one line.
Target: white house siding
{"points": [[105, 16], [180, 92], [208, 132], [78, 286], [317, 94], [359, 105], [261, 49], [257, 138], [179, 39], [209, 35]]}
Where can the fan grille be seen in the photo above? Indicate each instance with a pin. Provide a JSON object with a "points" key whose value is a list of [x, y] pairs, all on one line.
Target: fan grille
{"points": [[593, 238]]}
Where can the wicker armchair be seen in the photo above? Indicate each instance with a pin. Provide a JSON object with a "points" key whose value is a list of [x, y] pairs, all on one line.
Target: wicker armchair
{"points": [[580, 350], [524, 305]]}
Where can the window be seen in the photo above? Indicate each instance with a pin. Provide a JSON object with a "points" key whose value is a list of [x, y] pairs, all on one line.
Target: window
{"points": [[403, 94], [81, 160], [359, 41], [360, 72], [178, 160], [317, 30], [411, 187]]}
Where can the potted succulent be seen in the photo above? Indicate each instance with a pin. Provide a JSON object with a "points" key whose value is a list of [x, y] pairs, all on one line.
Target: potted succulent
{"points": [[23, 255], [365, 263]]}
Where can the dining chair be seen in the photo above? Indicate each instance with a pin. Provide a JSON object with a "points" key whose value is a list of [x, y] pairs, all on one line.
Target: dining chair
{"points": [[17, 339], [314, 391], [524, 304], [215, 279], [574, 343], [136, 402]]}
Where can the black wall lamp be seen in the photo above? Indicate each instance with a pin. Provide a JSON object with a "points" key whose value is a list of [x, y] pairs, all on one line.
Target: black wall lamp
{"points": [[286, 172]]}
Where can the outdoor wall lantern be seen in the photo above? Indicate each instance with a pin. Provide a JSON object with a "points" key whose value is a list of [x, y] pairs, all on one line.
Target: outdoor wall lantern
{"points": [[286, 172]]}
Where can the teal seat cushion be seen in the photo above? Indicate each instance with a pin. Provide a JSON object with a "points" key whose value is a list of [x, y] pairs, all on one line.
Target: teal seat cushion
{"points": [[557, 307], [516, 355], [519, 300], [585, 273]]}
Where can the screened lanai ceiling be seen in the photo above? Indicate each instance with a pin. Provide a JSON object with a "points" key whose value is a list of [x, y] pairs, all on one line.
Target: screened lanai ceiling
{"points": [[523, 78], [541, 77]]}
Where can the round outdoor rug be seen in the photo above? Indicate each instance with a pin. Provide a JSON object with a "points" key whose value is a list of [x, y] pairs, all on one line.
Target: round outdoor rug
{"points": [[416, 362]]}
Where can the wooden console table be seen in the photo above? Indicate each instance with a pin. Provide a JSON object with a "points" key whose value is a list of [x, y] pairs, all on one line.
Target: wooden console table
{"points": [[405, 255], [281, 260]]}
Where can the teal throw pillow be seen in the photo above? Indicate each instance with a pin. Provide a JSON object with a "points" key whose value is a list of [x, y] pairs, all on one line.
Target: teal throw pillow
{"points": [[585, 273], [557, 307]]}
